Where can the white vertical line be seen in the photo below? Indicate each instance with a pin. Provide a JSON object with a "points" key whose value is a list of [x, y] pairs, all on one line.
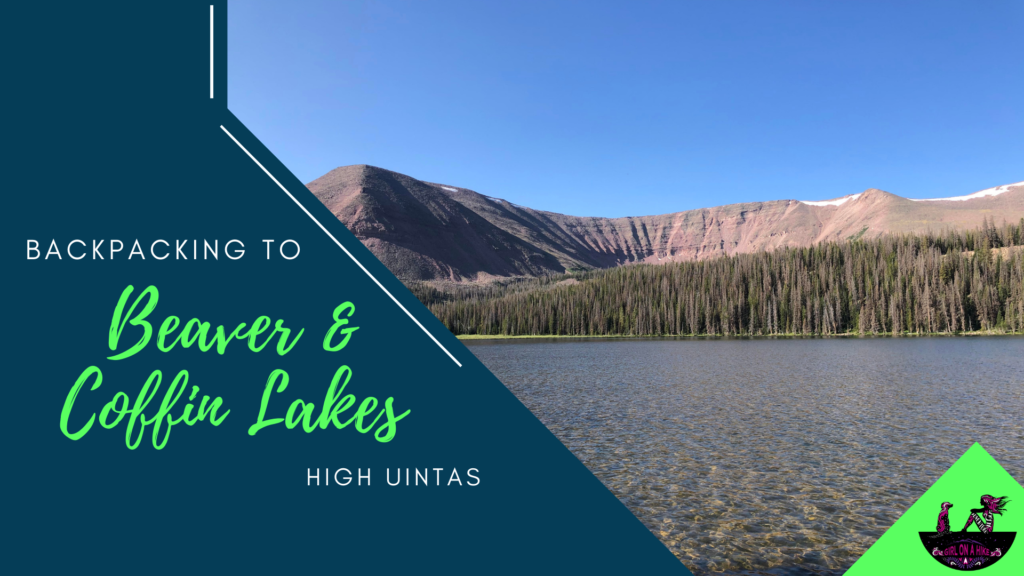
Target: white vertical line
{"points": [[211, 51], [331, 236]]}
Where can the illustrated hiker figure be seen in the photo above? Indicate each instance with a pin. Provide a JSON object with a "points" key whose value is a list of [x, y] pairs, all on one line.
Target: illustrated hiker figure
{"points": [[986, 520], [943, 525]]}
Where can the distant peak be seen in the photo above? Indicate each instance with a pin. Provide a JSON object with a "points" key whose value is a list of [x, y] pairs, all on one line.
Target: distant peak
{"points": [[876, 194], [361, 169], [353, 173]]}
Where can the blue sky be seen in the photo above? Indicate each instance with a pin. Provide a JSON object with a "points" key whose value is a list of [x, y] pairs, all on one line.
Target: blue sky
{"points": [[631, 108]]}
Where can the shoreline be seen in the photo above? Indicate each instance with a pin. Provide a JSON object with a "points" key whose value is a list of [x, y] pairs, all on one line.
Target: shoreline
{"points": [[976, 333]]}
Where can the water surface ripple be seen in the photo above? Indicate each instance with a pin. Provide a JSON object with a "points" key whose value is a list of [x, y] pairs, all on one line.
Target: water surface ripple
{"points": [[778, 457]]}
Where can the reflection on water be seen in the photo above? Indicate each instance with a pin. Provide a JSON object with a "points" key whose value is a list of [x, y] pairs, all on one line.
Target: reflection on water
{"points": [[771, 456]]}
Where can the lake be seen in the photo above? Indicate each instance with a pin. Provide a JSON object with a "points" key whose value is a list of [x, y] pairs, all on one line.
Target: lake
{"points": [[781, 457]]}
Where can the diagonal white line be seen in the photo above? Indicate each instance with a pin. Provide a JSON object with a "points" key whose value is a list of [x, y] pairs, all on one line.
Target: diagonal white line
{"points": [[358, 263]]}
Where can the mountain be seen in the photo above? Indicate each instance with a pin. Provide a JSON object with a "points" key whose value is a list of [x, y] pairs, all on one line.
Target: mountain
{"points": [[427, 231]]}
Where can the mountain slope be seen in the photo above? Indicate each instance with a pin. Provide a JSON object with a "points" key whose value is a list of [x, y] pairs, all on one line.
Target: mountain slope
{"points": [[425, 231], [420, 233]]}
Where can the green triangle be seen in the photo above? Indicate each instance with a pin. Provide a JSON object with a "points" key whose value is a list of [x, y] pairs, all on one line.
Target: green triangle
{"points": [[900, 550]]}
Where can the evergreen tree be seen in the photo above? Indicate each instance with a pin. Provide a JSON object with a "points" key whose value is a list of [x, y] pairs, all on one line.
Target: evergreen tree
{"points": [[951, 282]]}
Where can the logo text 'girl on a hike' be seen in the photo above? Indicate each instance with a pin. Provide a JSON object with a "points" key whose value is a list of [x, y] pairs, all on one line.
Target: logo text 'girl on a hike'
{"points": [[965, 550]]}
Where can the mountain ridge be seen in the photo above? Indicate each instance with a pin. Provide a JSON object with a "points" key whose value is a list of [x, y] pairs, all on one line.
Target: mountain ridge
{"points": [[425, 231]]}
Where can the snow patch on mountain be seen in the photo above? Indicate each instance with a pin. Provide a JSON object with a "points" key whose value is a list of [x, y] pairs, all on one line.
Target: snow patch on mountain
{"points": [[836, 202], [987, 192]]}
